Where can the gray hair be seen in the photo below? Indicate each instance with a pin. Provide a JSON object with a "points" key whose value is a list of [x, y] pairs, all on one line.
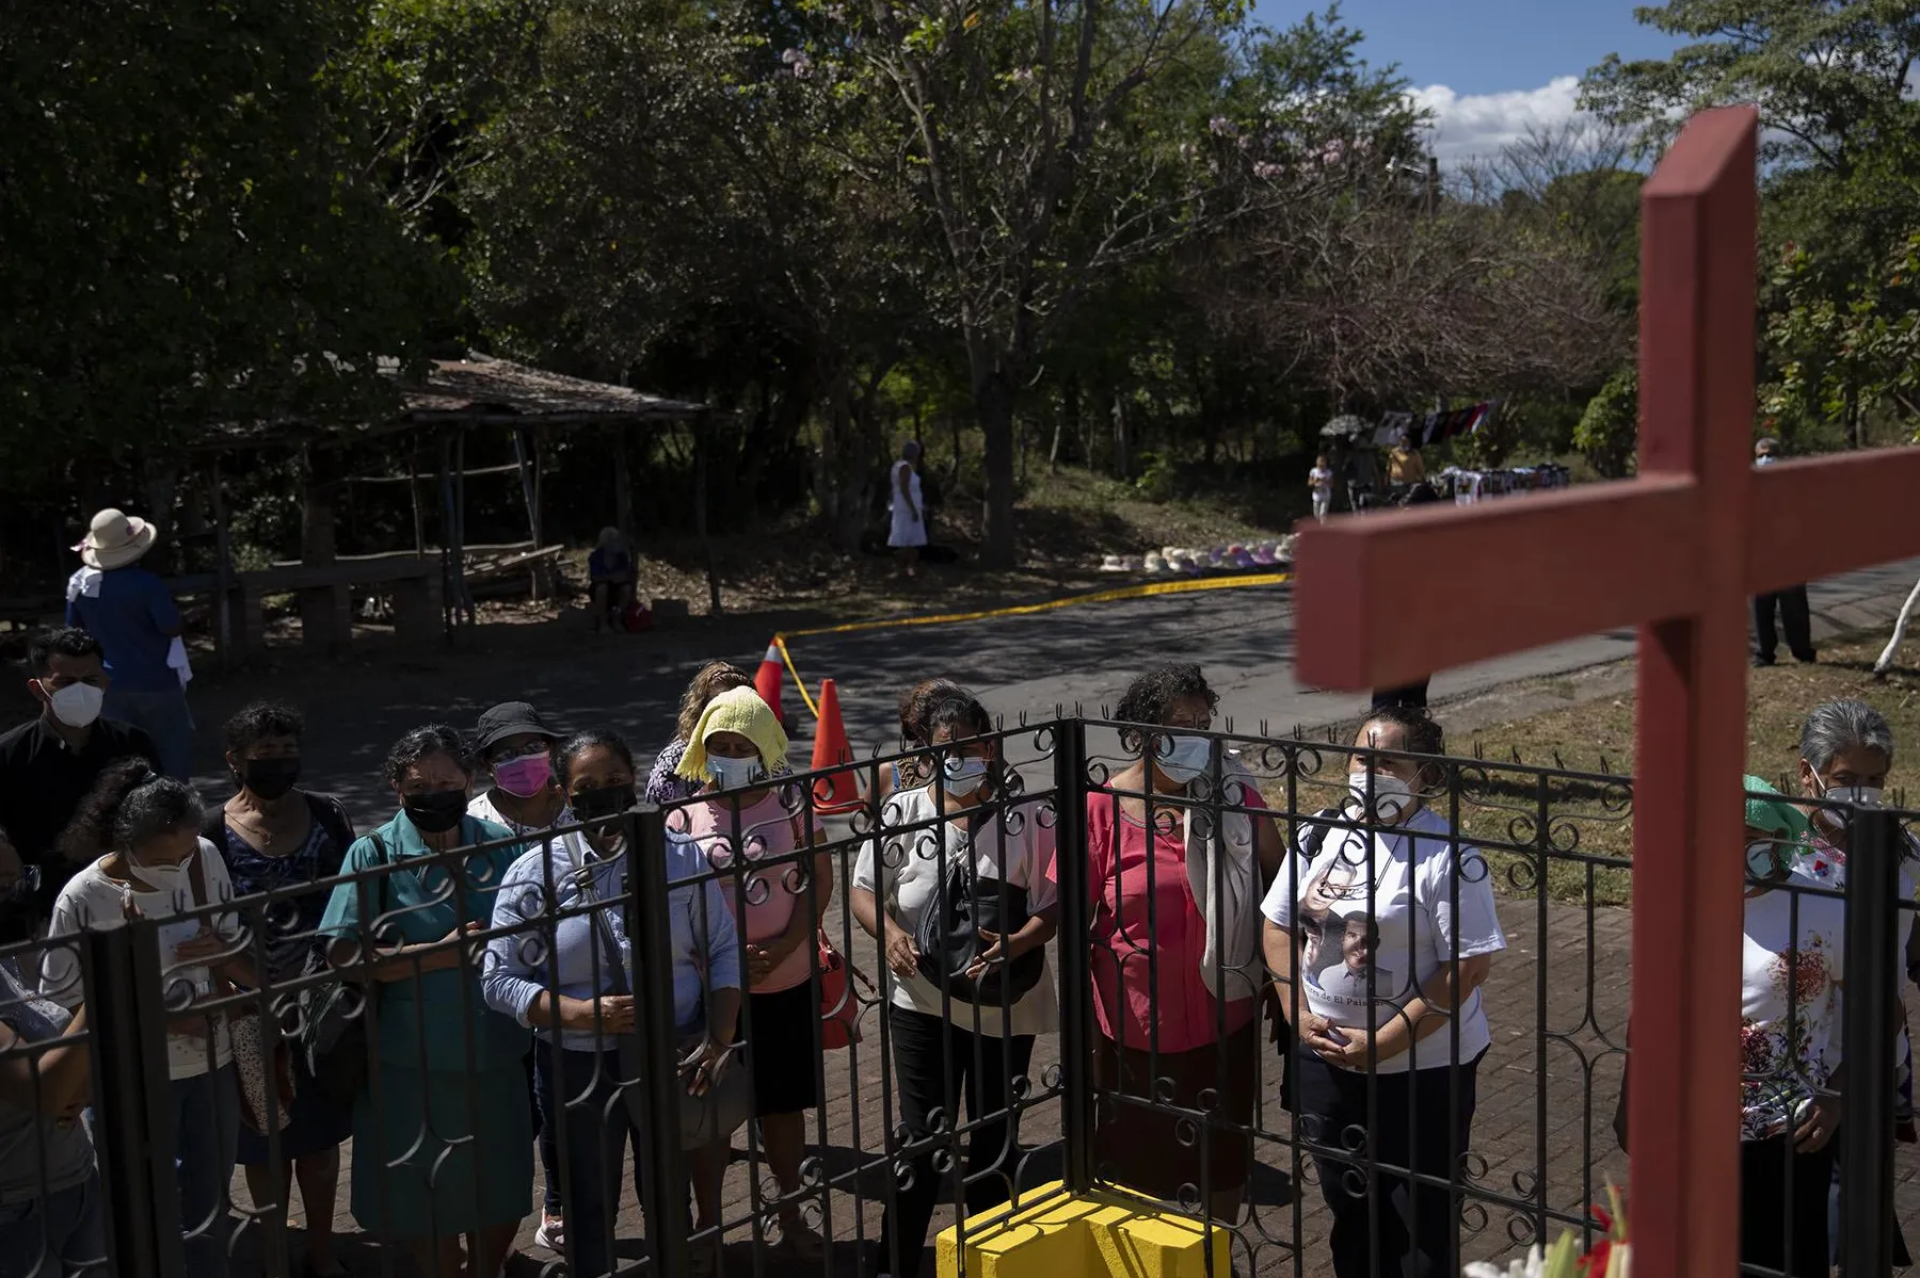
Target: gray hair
{"points": [[1836, 727]]}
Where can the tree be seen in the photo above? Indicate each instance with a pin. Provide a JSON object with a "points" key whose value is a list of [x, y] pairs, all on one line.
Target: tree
{"points": [[1384, 304], [1609, 431], [188, 242], [1046, 147], [1838, 360], [1829, 77], [673, 183]]}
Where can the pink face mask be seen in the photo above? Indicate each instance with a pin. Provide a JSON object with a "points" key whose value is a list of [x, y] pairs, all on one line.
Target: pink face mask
{"points": [[524, 777]]}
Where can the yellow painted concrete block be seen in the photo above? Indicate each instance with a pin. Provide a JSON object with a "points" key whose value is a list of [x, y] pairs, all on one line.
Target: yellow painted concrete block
{"points": [[1109, 1234]]}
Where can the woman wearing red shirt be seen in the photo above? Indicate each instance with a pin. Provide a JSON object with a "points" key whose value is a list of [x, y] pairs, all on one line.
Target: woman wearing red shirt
{"points": [[1164, 1036]]}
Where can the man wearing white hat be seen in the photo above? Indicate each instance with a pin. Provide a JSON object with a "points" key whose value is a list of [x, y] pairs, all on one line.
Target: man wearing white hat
{"points": [[129, 610]]}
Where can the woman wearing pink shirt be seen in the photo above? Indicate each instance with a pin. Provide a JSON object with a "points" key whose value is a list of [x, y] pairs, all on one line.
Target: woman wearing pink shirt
{"points": [[745, 821], [1161, 1025]]}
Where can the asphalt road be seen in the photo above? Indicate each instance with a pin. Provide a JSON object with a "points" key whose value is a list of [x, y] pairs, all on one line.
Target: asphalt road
{"points": [[1081, 655]]}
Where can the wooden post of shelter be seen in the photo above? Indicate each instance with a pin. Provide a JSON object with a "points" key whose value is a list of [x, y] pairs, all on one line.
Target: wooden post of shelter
{"points": [[1675, 553], [701, 425], [223, 568]]}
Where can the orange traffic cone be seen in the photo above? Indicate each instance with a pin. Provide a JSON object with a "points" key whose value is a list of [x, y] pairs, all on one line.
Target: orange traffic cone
{"points": [[769, 683], [838, 793]]}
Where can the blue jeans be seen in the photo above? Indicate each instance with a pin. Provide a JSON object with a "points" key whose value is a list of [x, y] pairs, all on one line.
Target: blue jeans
{"points": [[56, 1235], [164, 717], [206, 1116]]}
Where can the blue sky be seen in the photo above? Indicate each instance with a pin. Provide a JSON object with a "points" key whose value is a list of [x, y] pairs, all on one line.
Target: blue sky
{"points": [[1488, 68]]}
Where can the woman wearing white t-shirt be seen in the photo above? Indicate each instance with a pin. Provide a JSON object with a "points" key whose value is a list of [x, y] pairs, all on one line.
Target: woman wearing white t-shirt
{"points": [[140, 835], [961, 835], [1379, 943]]}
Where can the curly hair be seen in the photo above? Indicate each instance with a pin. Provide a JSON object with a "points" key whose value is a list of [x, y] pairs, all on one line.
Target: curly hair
{"points": [[713, 679], [127, 806], [565, 752], [1149, 698], [260, 720], [423, 743], [917, 705]]}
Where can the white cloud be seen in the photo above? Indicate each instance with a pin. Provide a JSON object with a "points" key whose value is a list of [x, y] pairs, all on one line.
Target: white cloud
{"points": [[1479, 124]]}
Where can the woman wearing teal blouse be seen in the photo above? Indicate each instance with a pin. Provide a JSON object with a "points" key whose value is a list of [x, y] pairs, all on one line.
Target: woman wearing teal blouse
{"points": [[442, 1142]]}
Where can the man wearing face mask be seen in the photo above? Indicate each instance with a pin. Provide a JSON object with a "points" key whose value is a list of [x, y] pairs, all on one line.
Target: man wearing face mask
{"points": [[49, 765]]}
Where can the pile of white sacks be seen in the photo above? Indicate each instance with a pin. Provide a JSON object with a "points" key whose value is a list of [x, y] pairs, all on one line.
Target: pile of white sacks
{"points": [[1175, 561]]}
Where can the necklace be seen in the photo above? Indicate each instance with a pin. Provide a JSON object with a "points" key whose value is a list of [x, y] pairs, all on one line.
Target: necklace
{"points": [[252, 823]]}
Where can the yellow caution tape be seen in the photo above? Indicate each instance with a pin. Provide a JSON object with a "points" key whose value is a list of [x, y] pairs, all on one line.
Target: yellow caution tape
{"points": [[1145, 590], [781, 643]]}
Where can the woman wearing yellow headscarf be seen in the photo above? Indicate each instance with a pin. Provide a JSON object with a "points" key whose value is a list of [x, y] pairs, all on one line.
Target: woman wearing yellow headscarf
{"points": [[753, 830]]}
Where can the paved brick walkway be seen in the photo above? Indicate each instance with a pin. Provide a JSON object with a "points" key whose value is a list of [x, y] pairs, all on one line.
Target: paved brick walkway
{"points": [[1542, 1138]]}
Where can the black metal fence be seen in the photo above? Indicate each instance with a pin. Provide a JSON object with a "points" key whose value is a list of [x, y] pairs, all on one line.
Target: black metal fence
{"points": [[777, 1047]]}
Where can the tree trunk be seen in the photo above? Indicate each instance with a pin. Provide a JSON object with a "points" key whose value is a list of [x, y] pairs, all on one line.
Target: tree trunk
{"points": [[993, 401], [1122, 464]]}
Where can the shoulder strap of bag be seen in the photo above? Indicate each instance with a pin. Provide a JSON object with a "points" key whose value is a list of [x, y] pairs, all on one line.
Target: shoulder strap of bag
{"points": [[331, 816], [197, 877], [609, 944]]}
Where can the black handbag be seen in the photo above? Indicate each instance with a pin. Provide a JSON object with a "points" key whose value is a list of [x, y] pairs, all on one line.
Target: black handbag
{"points": [[335, 1018], [948, 936]]}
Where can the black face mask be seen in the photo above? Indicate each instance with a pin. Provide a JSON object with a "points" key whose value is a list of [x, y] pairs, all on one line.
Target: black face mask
{"points": [[592, 805], [270, 778], [435, 813]]}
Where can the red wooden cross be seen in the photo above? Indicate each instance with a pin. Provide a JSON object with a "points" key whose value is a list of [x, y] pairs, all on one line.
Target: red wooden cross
{"points": [[1387, 599]]}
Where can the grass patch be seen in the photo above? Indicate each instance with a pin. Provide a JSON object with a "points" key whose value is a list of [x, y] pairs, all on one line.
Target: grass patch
{"points": [[1582, 849]]}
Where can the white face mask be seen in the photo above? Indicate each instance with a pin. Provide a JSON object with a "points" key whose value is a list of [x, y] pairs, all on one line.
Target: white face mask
{"points": [[1392, 797], [78, 704], [1183, 758], [170, 879], [1861, 796], [964, 775], [734, 774]]}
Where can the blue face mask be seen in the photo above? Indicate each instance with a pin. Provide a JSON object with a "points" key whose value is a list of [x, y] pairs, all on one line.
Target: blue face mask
{"points": [[964, 775], [734, 774], [1183, 758]]}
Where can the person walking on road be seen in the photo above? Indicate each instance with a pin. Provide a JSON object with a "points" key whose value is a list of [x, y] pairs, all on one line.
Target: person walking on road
{"points": [[1795, 617], [130, 611], [909, 532], [1320, 484]]}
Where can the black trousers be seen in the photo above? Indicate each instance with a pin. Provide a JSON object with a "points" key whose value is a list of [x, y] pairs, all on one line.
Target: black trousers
{"points": [[1415, 1225], [935, 1063], [1768, 1207], [1795, 619]]}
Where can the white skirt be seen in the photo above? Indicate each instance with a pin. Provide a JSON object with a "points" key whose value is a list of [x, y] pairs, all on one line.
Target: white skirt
{"points": [[907, 531]]}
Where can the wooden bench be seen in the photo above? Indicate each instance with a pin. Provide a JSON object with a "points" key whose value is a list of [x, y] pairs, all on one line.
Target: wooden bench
{"points": [[325, 594]]}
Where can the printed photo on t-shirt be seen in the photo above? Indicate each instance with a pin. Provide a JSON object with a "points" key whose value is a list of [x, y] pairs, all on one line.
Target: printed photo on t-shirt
{"points": [[1352, 946]]}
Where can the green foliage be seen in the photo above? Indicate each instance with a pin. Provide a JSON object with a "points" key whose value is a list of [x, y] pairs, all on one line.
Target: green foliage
{"points": [[1609, 431], [1840, 358], [190, 237], [1828, 76]]}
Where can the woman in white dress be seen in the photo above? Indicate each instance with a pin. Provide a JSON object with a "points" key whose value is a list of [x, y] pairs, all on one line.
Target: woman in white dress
{"points": [[909, 531]]}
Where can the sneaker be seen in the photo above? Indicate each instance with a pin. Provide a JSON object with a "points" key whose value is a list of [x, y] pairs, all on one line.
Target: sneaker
{"points": [[552, 1233]]}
